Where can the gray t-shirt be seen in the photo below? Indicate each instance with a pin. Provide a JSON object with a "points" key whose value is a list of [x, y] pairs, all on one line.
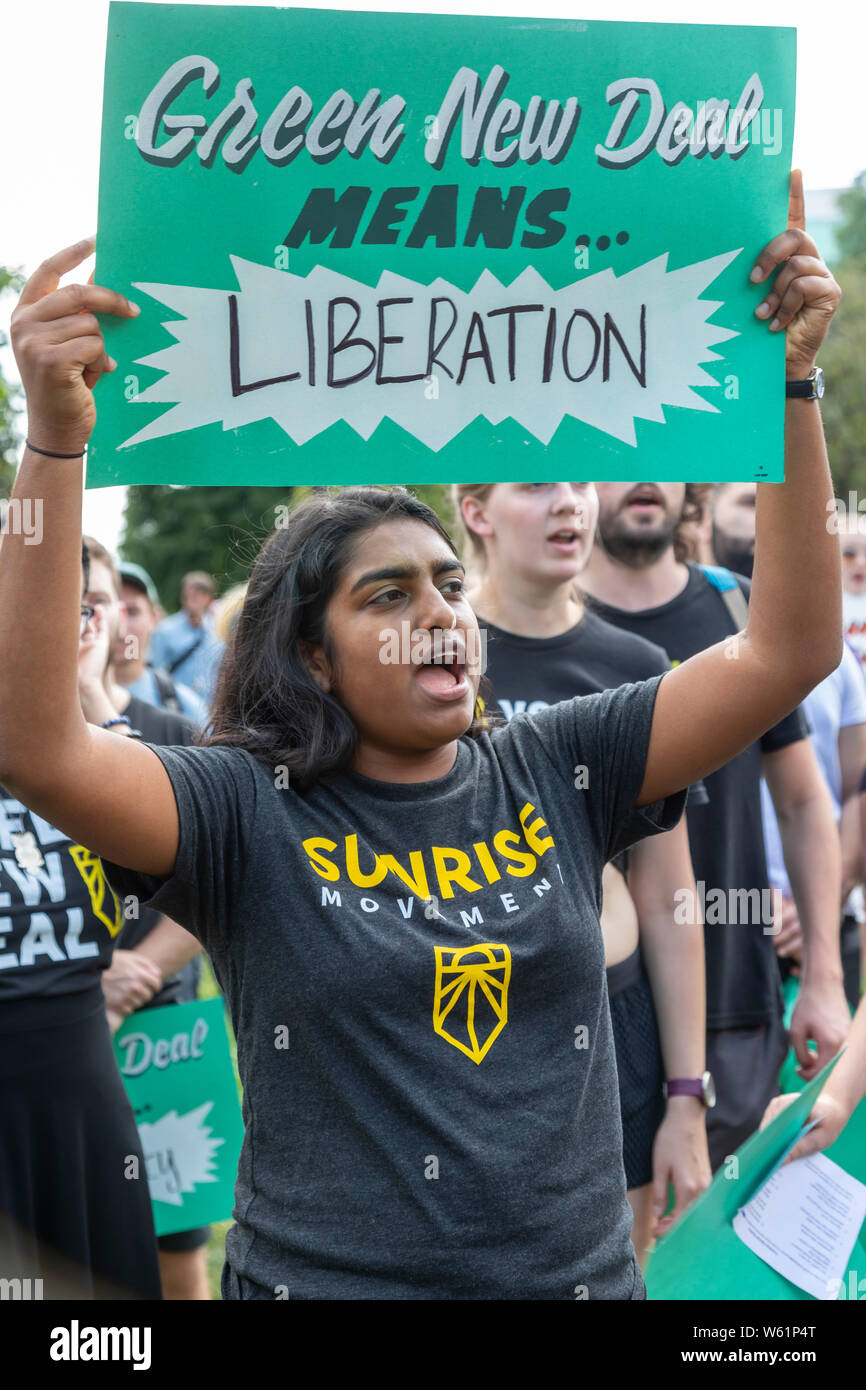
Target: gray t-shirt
{"points": [[416, 979]]}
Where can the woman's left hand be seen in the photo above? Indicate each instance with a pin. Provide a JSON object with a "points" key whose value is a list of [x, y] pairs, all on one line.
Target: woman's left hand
{"points": [[680, 1159], [804, 296]]}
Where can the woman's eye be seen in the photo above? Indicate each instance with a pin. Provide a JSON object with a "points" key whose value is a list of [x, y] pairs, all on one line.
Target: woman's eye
{"points": [[387, 596]]}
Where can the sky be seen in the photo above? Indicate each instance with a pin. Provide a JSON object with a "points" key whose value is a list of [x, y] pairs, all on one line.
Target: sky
{"points": [[51, 69]]}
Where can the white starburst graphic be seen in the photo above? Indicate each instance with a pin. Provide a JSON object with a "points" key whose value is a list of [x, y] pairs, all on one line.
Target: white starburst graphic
{"points": [[607, 350], [179, 1154]]}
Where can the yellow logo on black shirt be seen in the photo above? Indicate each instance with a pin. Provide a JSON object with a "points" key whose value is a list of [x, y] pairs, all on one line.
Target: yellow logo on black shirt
{"points": [[482, 987], [102, 898]]}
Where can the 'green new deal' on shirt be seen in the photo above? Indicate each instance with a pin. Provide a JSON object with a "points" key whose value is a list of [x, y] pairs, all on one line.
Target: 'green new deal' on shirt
{"points": [[416, 979]]}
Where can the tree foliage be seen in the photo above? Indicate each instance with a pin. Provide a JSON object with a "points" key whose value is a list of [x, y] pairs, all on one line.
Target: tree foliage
{"points": [[843, 356], [10, 398], [171, 530], [843, 359], [851, 235]]}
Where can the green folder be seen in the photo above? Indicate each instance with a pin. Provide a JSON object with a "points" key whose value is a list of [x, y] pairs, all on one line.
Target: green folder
{"points": [[703, 1258]]}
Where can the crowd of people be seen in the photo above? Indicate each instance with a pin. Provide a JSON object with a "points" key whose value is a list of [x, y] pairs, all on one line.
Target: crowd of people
{"points": [[526, 908]]}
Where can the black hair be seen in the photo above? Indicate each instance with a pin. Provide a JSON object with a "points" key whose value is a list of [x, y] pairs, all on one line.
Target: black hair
{"points": [[85, 568], [267, 702]]}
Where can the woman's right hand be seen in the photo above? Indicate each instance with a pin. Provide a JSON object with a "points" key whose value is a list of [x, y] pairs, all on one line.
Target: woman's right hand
{"points": [[831, 1117], [128, 984], [60, 351]]}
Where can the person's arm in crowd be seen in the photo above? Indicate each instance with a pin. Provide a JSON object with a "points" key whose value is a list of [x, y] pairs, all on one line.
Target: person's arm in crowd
{"points": [[673, 952], [852, 762], [810, 841], [849, 837], [129, 982], [844, 1089], [112, 795], [137, 974], [169, 947]]}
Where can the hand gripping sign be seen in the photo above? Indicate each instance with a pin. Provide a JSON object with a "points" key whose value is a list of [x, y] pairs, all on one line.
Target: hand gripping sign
{"points": [[373, 247]]}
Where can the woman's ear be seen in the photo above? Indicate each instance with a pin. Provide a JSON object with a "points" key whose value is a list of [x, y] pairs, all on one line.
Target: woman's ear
{"points": [[475, 517], [317, 664]]}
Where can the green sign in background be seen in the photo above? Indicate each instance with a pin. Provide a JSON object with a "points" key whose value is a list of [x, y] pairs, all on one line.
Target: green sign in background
{"points": [[704, 1258], [177, 1070], [180, 225]]}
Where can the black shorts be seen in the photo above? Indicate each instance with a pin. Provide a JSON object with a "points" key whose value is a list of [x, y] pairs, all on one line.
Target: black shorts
{"points": [[75, 1207], [745, 1063], [639, 1065], [180, 1241]]}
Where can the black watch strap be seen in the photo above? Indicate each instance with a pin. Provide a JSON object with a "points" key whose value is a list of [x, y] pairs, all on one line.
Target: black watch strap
{"points": [[812, 388]]}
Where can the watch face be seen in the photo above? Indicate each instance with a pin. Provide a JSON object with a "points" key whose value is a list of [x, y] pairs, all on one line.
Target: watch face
{"points": [[709, 1089], [819, 382]]}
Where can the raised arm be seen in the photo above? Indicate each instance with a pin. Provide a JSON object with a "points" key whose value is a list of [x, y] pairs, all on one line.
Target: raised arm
{"points": [[718, 702], [112, 794]]}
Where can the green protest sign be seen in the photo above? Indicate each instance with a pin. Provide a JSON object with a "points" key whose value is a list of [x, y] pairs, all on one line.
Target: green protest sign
{"points": [[177, 1070], [417, 248], [703, 1257]]}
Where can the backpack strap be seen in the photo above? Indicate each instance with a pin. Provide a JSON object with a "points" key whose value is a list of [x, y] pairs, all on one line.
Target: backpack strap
{"points": [[184, 656], [166, 689], [729, 591]]}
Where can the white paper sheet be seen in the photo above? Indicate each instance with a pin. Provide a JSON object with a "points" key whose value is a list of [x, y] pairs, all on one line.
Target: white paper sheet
{"points": [[804, 1223]]}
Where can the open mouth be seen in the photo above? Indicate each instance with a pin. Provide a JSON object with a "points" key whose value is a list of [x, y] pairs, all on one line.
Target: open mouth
{"points": [[644, 496], [566, 538], [442, 672]]}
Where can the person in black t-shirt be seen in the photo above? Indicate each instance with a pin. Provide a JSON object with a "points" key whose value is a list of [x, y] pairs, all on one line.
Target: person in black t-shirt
{"points": [[637, 580], [69, 1215], [150, 935], [529, 542]]}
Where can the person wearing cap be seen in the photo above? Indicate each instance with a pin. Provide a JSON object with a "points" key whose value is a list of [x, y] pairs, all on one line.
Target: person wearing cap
{"points": [[130, 666], [185, 643]]}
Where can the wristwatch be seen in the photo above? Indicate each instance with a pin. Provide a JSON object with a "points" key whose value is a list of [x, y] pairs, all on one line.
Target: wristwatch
{"points": [[702, 1086], [812, 389]]}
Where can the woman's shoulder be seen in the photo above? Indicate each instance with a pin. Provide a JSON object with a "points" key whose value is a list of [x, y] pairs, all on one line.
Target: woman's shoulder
{"points": [[217, 768]]}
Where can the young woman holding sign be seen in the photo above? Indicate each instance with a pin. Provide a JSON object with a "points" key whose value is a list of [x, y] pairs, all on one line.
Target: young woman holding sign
{"points": [[405, 920]]}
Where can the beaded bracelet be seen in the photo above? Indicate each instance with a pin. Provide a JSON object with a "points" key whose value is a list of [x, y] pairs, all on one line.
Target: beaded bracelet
{"points": [[110, 723]]}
